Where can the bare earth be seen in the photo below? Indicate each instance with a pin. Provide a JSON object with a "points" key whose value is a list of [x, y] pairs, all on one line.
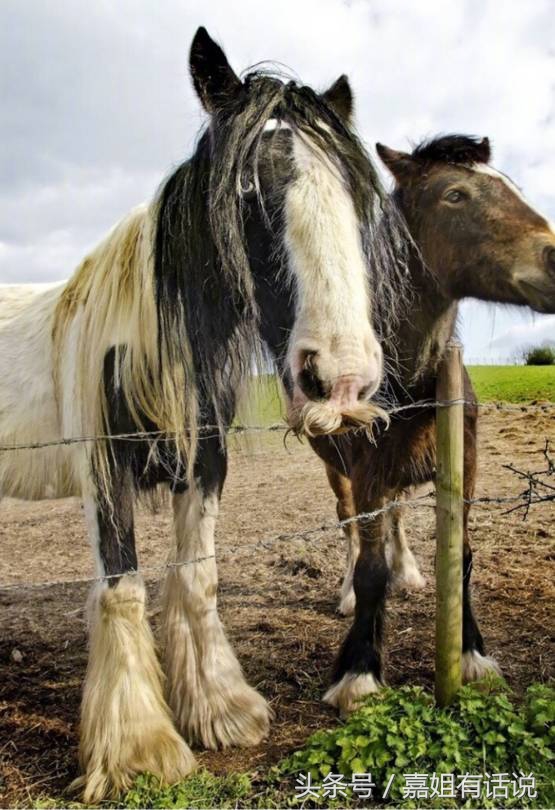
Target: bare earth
{"points": [[278, 603]]}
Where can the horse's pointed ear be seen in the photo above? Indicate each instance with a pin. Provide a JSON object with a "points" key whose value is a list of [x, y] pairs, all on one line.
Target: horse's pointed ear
{"points": [[484, 147], [340, 98], [400, 164], [215, 81]]}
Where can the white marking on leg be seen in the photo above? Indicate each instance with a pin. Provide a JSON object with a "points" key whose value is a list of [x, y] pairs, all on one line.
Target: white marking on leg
{"points": [[347, 693], [126, 727], [347, 599], [401, 561], [476, 666], [207, 691]]}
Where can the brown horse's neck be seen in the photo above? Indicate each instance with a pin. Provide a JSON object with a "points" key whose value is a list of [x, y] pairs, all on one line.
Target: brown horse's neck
{"points": [[424, 332]]}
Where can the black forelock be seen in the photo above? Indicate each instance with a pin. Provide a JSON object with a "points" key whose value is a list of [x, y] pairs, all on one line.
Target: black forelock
{"points": [[464, 150]]}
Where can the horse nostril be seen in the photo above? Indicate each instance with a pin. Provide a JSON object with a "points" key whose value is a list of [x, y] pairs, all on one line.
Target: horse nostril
{"points": [[549, 258], [308, 380]]}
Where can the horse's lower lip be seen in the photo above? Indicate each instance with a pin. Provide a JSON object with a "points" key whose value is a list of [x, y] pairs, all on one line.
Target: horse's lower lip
{"points": [[542, 300]]}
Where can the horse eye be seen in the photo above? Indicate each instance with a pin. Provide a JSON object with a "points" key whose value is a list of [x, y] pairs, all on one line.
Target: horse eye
{"points": [[455, 196]]}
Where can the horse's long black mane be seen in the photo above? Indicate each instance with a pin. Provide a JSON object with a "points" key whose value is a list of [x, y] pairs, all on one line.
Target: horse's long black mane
{"points": [[459, 149], [207, 313]]}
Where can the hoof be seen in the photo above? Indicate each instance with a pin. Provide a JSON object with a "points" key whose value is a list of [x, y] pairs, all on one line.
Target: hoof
{"points": [[476, 666], [126, 726], [406, 576], [110, 771], [233, 715], [346, 694]]}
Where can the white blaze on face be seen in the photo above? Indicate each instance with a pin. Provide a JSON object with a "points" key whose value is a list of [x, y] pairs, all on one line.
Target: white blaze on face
{"points": [[483, 168], [326, 257], [530, 271]]}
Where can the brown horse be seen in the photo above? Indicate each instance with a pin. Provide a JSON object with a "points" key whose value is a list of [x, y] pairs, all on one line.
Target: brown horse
{"points": [[474, 236]]}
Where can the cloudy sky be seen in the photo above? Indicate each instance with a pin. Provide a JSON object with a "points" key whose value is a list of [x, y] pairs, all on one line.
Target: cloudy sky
{"points": [[97, 106]]}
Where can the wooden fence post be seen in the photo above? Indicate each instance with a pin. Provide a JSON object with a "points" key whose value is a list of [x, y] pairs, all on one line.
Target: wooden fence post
{"points": [[449, 525]]}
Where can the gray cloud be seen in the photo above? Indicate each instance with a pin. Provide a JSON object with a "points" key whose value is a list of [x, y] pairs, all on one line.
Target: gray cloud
{"points": [[97, 105]]}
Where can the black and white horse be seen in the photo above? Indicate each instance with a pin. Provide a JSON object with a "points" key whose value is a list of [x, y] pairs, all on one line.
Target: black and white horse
{"points": [[262, 239]]}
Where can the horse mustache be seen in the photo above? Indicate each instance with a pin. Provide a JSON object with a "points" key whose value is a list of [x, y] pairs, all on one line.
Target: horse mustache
{"points": [[323, 418]]}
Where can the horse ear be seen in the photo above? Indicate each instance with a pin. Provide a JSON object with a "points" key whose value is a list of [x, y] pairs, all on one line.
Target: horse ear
{"points": [[484, 148], [400, 164], [340, 98], [214, 80]]}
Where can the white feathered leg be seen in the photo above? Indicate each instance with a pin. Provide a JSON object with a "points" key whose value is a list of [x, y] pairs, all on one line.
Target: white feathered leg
{"points": [[211, 701], [126, 727], [402, 564]]}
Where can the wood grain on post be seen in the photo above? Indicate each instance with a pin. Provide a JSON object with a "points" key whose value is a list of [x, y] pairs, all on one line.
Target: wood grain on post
{"points": [[449, 524]]}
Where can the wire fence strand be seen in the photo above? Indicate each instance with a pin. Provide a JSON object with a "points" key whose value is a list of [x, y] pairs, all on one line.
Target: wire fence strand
{"points": [[214, 431], [520, 501], [538, 490]]}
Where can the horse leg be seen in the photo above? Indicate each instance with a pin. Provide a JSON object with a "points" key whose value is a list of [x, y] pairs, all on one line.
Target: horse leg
{"points": [[126, 727], [358, 668], [341, 486], [211, 701], [475, 663], [404, 570]]}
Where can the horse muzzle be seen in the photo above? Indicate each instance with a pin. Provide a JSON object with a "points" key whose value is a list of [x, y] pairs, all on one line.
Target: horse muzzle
{"points": [[320, 406]]}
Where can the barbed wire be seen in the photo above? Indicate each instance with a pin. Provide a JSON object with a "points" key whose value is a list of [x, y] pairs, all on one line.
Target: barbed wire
{"points": [[524, 500], [537, 491], [213, 431], [265, 543]]}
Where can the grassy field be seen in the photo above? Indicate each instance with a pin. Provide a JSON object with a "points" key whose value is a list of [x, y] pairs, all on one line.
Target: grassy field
{"points": [[492, 384], [513, 383]]}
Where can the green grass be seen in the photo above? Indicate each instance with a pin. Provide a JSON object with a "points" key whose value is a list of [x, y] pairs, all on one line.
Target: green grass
{"points": [[402, 730], [399, 731], [202, 790], [513, 383]]}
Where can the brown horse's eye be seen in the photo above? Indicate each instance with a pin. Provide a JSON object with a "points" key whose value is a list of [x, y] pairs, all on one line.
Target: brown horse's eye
{"points": [[455, 196]]}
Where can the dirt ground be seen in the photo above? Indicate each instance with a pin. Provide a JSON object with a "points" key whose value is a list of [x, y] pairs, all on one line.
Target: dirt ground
{"points": [[278, 603]]}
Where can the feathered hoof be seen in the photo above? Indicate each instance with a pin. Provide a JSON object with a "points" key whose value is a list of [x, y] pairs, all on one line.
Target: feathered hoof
{"points": [[406, 576], [108, 774], [233, 715], [346, 694], [476, 666], [410, 580], [347, 603], [126, 727]]}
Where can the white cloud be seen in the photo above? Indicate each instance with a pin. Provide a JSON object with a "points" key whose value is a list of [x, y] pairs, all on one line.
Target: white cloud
{"points": [[541, 331]]}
